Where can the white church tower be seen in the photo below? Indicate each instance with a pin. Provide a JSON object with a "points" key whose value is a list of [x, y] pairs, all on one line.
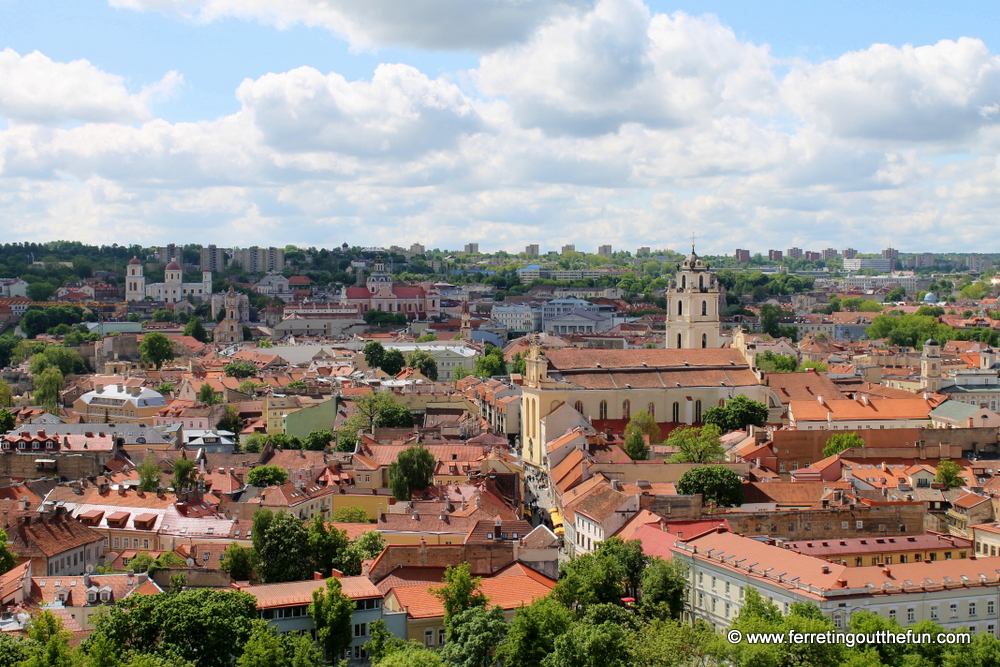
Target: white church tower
{"points": [[135, 282], [693, 306]]}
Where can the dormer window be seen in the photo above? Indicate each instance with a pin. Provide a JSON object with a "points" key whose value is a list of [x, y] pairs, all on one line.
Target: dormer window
{"points": [[21, 444], [91, 597], [36, 445], [105, 596], [6, 444], [49, 444]]}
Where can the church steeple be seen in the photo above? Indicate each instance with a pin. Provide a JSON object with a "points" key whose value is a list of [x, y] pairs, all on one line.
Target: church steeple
{"points": [[693, 305]]}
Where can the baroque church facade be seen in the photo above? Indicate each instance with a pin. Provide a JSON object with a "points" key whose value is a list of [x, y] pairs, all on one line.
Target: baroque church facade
{"points": [[173, 289]]}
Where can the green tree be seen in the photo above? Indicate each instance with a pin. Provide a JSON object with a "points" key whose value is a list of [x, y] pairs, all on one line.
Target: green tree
{"points": [[393, 362], [51, 640], [368, 544], [7, 557], [898, 294], [328, 549], [196, 330], [604, 576], [317, 441], [412, 655], [239, 369], [7, 421], [491, 364], [589, 645], [838, 442], [474, 635], [769, 362], [254, 443], [6, 395], [412, 469], [717, 485], [66, 360], [374, 354], [156, 349], [268, 475], [149, 474], [949, 473], [533, 632], [664, 588], [162, 316], [185, 475], [263, 649], [427, 338], [636, 447], [669, 643], [696, 444], [460, 592], [47, 385], [382, 642], [301, 650], [238, 562], [202, 627], [332, 613], [643, 423], [379, 408], [423, 362], [350, 514], [207, 395], [41, 291], [165, 388], [230, 420], [282, 544], [459, 372], [737, 414]]}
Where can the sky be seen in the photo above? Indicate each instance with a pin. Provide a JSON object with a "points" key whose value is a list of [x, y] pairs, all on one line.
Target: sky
{"points": [[502, 122]]}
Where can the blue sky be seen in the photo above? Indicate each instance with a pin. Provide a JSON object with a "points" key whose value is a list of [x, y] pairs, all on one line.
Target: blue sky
{"points": [[552, 121]]}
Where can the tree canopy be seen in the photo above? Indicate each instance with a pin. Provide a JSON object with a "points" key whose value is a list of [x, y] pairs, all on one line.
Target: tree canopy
{"points": [[737, 414], [696, 444], [838, 442], [412, 469], [718, 485]]}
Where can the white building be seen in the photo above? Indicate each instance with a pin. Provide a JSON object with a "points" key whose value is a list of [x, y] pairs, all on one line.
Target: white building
{"points": [[877, 263], [448, 355], [954, 593], [13, 287], [518, 318]]}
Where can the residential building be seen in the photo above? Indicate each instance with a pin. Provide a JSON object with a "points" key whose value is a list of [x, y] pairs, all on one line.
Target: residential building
{"points": [[86, 597], [849, 253], [531, 250], [53, 542], [447, 354], [857, 263], [169, 253], [13, 287], [604, 250], [775, 255], [875, 551], [829, 253], [260, 260], [518, 318], [471, 248], [119, 403], [285, 606], [794, 253], [213, 258], [864, 413], [957, 593], [569, 247], [742, 256]]}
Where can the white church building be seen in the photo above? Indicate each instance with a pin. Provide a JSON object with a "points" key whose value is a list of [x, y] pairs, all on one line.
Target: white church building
{"points": [[171, 290]]}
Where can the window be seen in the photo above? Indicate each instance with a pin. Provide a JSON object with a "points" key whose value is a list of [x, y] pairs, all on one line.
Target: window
{"points": [[602, 411], [972, 609], [910, 615], [679, 341], [697, 410], [680, 307], [857, 561], [578, 406], [360, 629], [676, 416], [859, 524], [704, 307], [626, 410], [892, 614], [428, 638], [844, 525], [441, 636], [704, 340], [934, 612], [117, 543], [651, 409], [991, 607], [947, 555], [903, 558], [953, 608]]}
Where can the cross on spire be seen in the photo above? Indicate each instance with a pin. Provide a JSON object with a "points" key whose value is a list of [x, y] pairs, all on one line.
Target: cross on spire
{"points": [[692, 242]]}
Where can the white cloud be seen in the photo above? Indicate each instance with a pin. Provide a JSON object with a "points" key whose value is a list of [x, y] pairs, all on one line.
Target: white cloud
{"points": [[399, 114], [474, 25], [943, 92], [590, 74], [38, 90]]}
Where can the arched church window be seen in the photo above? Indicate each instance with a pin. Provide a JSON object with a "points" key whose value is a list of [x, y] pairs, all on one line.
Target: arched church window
{"points": [[651, 409], [675, 415], [704, 307], [578, 406], [684, 282], [680, 307], [678, 341], [602, 412], [704, 340], [626, 410], [697, 410]]}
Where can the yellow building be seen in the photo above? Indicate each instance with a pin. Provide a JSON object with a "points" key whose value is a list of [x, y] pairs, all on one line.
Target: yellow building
{"points": [[275, 408], [118, 403]]}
